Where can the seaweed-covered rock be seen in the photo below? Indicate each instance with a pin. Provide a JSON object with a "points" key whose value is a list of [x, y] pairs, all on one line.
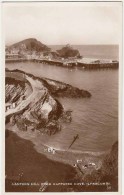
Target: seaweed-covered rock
{"points": [[66, 116], [52, 127]]}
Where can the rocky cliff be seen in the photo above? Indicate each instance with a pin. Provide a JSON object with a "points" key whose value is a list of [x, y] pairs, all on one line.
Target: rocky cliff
{"points": [[16, 90], [36, 106], [60, 89], [106, 177]]}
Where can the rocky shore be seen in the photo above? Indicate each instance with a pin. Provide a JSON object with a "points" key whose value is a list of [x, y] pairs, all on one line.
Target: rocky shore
{"points": [[60, 89]]}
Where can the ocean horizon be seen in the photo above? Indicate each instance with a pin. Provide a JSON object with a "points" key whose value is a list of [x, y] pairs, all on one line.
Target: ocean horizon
{"points": [[94, 51]]}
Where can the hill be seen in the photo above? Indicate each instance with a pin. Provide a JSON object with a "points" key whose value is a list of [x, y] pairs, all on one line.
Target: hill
{"points": [[30, 44], [68, 52]]}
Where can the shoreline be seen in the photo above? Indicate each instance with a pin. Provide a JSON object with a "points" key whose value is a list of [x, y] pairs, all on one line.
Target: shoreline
{"points": [[61, 155], [27, 170], [25, 165]]}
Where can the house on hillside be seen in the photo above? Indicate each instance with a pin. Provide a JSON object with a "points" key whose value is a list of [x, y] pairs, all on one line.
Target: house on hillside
{"points": [[13, 56]]}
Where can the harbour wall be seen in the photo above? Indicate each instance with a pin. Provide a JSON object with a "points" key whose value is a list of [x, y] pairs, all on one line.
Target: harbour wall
{"points": [[110, 65]]}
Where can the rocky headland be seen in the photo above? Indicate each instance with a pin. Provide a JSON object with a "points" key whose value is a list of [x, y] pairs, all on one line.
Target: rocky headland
{"points": [[31, 102]]}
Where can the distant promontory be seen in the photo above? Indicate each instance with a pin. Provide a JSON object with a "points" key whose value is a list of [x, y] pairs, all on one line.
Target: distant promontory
{"points": [[28, 45], [32, 45]]}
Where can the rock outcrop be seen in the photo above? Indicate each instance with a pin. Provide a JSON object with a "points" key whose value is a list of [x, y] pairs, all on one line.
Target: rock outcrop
{"points": [[16, 90], [60, 89], [68, 51]]}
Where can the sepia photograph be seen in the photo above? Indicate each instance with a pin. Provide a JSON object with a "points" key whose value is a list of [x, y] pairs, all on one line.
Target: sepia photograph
{"points": [[62, 85]]}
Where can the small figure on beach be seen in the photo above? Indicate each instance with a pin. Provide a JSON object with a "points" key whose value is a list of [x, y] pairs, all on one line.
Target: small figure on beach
{"points": [[51, 150]]}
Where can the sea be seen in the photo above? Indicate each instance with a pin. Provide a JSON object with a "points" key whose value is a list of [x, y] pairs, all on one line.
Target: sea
{"points": [[94, 119], [94, 51]]}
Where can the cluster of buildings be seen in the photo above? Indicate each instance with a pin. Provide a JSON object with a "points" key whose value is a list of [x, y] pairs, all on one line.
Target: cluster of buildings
{"points": [[15, 54]]}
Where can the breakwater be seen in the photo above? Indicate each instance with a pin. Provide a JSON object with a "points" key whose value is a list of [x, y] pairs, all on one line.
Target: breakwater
{"points": [[72, 64]]}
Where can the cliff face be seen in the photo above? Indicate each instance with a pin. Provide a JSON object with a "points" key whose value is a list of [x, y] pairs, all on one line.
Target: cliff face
{"points": [[36, 105], [16, 90], [107, 174], [109, 169]]}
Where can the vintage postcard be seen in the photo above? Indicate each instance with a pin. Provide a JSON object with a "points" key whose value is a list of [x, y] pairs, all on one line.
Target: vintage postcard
{"points": [[63, 74]]}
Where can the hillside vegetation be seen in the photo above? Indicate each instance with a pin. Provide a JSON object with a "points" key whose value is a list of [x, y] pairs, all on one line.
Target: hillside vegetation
{"points": [[68, 51], [30, 44]]}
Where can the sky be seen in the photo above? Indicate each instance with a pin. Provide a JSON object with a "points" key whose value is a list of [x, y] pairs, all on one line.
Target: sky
{"points": [[63, 23]]}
